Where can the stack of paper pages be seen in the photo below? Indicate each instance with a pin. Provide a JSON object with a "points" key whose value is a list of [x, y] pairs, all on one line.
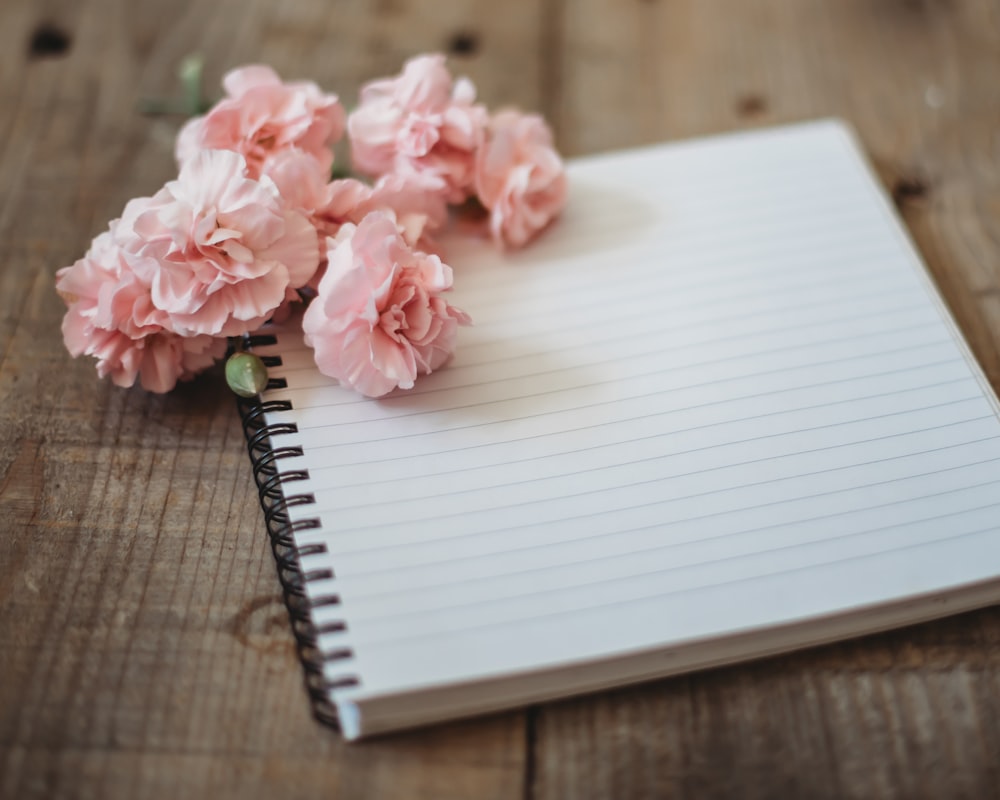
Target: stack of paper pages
{"points": [[717, 411]]}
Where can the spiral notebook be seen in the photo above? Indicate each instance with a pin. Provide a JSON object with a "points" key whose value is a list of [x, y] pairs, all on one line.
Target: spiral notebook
{"points": [[718, 411]]}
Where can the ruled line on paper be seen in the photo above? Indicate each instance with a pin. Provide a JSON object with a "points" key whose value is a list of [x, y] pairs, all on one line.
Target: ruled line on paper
{"points": [[788, 467], [457, 377], [369, 562], [594, 329], [397, 637], [304, 365], [519, 504], [634, 354], [729, 443], [677, 276], [744, 219], [677, 431], [676, 558], [674, 431], [505, 436], [414, 531], [461, 569], [690, 229], [593, 338], [621, 502], [679, 340], [578, 320], [436, 429]]}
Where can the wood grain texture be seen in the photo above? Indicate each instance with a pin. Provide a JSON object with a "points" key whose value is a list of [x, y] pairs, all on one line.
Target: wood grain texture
{"points": [[909, 714], [143, 646], [913, 714]]}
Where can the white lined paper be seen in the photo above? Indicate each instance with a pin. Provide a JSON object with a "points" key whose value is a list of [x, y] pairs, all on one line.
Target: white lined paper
{"points": [[721, 380]]}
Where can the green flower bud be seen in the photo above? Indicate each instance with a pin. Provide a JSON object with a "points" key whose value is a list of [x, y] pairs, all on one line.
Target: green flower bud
{"points": [[246, 374]]}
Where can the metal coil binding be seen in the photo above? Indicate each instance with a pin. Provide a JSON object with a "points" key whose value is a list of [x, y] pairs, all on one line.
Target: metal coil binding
{"points": [[275, 499]]}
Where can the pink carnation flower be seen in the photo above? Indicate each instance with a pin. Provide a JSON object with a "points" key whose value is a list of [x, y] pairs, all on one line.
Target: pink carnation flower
{"points": [[418, 213], [330, 205], [520, 178], [218, 250], [419, 125], [261, 116], [110, 316], [379, 319]]}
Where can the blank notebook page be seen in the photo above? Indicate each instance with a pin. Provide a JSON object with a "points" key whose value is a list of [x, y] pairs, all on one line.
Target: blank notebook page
{"points": [[719, 397]]}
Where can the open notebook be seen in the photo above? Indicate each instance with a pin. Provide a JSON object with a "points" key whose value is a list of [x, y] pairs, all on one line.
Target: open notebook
{"points": [[718, 411]]}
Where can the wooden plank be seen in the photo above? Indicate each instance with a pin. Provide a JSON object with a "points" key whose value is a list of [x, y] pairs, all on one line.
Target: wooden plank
{"points": [[142, 641], [909, 714], [143, 644]]}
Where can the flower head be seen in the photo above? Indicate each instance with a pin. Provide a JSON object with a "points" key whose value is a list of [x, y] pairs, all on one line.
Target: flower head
{"points": [[520, 178], [379, 319], [261, 116], [110, 316], [420, 124], [217, 249]]}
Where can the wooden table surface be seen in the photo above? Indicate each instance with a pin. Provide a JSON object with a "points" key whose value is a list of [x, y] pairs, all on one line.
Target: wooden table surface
{"points": [[144, 650]]}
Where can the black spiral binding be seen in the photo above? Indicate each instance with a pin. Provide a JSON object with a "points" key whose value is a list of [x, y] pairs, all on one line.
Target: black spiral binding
{"points": [[275, 500]]}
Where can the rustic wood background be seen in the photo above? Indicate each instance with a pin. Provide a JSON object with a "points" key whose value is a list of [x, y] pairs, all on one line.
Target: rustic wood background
{"points": [[144, 650]]}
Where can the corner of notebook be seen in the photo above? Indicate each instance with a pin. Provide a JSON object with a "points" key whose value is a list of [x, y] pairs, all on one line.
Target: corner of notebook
{"points": [[840, 127], [349, 719]]}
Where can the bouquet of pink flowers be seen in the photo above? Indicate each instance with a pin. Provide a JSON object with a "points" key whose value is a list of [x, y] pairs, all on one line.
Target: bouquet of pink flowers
{"points": [[254, 224]]}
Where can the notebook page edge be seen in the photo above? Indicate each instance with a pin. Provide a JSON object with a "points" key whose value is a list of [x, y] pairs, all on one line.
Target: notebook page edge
{"points": [[902, 232], [374, 714]]}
